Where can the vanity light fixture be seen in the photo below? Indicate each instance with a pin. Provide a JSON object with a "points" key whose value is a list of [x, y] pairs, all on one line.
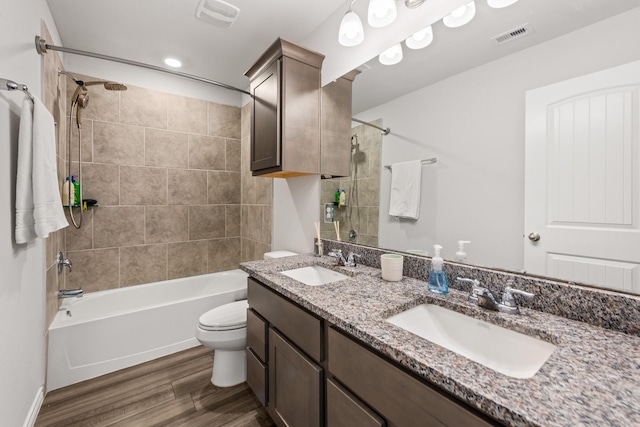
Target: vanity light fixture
{"points": [[460, 16], [499, 4], [351, 31], [381, 12], [173, 62], [391, 56], [421, 39]]}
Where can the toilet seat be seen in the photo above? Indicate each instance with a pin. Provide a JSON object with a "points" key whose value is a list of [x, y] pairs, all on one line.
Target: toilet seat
{"points": [[226, 317]]}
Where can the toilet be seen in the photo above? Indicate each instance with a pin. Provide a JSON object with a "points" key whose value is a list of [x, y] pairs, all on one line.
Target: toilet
{"points": [[224, 330]]}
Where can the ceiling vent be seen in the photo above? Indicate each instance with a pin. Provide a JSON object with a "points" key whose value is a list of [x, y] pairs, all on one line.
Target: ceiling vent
{"points": [[516, 33], [217, 12]]}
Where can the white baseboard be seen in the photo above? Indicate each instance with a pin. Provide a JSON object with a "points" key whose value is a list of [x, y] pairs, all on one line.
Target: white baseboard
{"points": [[35, 408]]}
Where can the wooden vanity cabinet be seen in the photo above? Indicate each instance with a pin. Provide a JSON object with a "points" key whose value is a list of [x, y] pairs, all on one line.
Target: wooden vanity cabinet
{"points": [[293, 376], [285, 120]]}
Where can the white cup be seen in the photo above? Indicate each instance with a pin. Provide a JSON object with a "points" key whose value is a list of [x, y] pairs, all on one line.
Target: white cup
{"points": [[391, 267]]}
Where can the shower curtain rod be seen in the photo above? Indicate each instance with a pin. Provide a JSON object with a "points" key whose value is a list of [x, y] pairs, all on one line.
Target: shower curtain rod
{"points": [[383, 131], [42, 47]]}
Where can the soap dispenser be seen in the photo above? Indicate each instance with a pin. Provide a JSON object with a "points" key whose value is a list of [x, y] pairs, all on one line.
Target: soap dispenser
{"points": [[437, 277], [461, 255]]}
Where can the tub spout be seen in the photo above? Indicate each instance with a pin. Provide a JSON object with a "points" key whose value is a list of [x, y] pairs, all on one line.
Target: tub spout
{"points": [[70, 293]]}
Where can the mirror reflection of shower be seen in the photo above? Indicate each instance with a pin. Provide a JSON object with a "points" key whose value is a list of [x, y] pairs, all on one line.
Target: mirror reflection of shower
{"points": [[79, 102]]}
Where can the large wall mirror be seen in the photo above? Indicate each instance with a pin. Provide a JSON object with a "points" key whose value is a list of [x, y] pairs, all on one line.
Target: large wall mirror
{"points": [[469, 103]]}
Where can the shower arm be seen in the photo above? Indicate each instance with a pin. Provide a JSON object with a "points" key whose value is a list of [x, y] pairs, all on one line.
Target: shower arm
{"points": [[42, 47]]}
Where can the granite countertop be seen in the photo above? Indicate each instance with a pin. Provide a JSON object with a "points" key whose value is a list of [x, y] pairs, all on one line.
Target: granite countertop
{"points": [[592, 378]]}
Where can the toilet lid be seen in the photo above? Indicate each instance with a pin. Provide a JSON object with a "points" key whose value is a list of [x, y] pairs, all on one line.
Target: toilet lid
{"points": [[225, 317]]}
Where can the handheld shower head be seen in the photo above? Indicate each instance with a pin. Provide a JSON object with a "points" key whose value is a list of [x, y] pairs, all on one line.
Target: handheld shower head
{"points": [[108, 85]]}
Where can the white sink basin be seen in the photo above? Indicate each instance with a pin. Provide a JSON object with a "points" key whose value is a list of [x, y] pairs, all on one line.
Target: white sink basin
{"points": [[503, 350], [314, 275]]}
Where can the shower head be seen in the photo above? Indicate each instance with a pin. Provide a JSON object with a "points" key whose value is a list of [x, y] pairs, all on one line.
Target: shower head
{"points": [[107, 85]]}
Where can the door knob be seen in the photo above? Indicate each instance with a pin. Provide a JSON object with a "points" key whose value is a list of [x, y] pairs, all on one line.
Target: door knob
{"points": [[534, 237]]}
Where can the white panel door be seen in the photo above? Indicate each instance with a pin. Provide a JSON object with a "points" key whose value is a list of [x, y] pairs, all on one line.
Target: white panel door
{"points": [[582, 180]]}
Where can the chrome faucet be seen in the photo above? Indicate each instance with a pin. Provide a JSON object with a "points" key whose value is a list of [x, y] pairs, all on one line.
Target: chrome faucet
{"points": [[350, 261], [483, 297], [70, 293]]}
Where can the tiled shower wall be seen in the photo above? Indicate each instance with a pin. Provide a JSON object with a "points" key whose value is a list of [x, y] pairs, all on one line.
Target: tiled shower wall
{"points": [[165, 170], [361, 213], [52, 93], [257, 204]]}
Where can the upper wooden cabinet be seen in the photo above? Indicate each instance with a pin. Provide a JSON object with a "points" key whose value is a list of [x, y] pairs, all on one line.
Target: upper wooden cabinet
{"points": [[285, 130], [336, 127]]}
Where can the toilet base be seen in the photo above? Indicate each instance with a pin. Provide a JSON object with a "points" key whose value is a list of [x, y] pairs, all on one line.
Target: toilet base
{"points": [[229, 368]]}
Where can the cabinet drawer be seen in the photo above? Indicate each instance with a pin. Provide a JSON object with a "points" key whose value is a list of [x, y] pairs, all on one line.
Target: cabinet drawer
{"points": [[346, 410], [400, 398], [257, 335], [294, 322], [257, 376]]}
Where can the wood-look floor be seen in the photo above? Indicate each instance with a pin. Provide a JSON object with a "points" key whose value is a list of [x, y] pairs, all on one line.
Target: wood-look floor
{"points": [[175, 390]]}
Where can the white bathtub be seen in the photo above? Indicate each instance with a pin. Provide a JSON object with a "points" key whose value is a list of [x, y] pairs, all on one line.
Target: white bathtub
{"points": [[110, 330]]}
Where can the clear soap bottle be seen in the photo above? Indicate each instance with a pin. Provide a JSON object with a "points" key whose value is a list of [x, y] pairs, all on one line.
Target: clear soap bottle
{"points": [[437, 277]]}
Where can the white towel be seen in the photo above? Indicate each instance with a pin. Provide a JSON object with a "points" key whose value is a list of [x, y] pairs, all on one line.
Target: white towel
{"points": [[38, 205], [405, 189]]}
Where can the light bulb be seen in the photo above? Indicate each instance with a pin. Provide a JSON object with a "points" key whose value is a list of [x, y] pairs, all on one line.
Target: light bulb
{"points": [[173, 62], [391, 56], [498, 4], [351, 30], [460, 16], [422, 38], [381, 12]]}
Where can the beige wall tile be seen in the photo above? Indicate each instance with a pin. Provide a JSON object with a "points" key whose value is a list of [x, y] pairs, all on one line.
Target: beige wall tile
{"points": [[224, 188], [233, 155], [87, 141], [79, 238], [248, 249], [260, 250], [254, 222], [206, 152], [248, 188], [244, 221], [143, 186], [206, 222], [245, 154], [118, 226], [372, 226], [186, 114], [94, 270], [52, 300], [166, 224], [101, 182], [187, 187], [166, 149], [245, 120], [143, 264], [224, 254], [187, 259], [51, 248], [232, 221], [144, 107], [119, 144], [224, 121], [264, 191], [265, 229], [104, 105]]}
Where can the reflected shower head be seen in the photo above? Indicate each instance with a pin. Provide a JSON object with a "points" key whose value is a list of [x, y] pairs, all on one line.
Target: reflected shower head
{"points": [[108, 85]]}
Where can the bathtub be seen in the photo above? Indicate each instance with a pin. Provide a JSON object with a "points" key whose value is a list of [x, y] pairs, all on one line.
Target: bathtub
{"points": [[105, 331]]}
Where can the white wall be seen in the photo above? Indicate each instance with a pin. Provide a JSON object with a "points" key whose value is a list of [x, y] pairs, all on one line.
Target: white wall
{"points": [[22, 270], [295, 209], [474, 123]]}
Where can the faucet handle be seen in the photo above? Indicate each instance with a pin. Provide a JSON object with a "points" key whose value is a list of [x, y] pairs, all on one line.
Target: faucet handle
{"points": [[509, 300], [474, 282]]}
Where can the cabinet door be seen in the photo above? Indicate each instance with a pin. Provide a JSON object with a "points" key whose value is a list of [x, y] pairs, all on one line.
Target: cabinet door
{"points": [[295, 385], [346, 410], [265, 144]]}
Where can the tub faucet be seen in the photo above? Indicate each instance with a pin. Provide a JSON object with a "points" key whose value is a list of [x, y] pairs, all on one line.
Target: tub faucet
{"points": [[484, 298], [350, 261], [70, 293]]}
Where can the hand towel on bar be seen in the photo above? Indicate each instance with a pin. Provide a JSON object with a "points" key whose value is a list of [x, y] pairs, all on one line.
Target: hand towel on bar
{"points": [[405, 189], [38, 205]]}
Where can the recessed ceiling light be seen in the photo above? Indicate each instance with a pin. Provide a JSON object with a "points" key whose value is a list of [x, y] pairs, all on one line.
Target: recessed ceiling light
{"points": [[498, 4], [173, 62], [460, 16]]}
